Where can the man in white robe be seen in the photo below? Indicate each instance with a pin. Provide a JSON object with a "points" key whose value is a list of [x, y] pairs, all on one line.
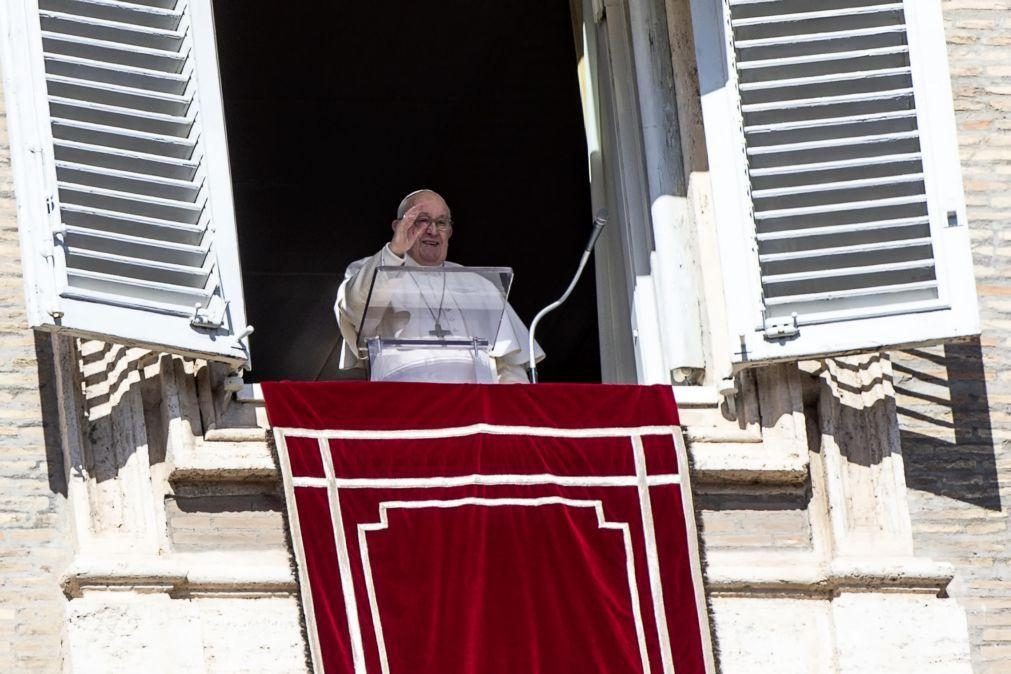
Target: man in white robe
{"points": [[421, 235]]}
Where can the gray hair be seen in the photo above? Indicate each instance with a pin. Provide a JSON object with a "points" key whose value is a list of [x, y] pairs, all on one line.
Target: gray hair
{"points": [[405, 203]]}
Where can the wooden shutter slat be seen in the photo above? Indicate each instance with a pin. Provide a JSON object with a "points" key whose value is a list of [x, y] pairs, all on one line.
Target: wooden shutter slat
{"points": [[138, 183], [113, 137], [124, 13], [827, 59], [181, 123], [831, 121], [183, 168], [130, 26], [138, 247], [143, 100], [109, 115], [832, 78], [868, 60], [113, 53], [821, 298], [845, 250], [846, 271], [855, 228], [796, 40], [132, 224], [833, 208], [837, 186], [134, 293], [98, 71], [171, 5], [857, 162], [853, 143], [760, 7], [154, 17], [149, 269], [823, 14], [132, 35], [839, 22], [834, 198], [129, 202], [825, 101]]}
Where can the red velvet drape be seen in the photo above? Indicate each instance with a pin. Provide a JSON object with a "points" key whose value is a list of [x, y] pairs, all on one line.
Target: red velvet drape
{"points": [[539, 548]]}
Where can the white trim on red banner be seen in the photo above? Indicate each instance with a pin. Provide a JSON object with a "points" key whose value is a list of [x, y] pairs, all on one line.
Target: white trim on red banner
{"points": [[343, 560], [487, 480], [641, 480], [477, 429], [598, 506], [652, 556], [295, 526]]}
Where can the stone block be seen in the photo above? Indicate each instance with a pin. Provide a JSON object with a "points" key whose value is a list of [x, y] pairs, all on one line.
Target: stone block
{"points": [[900, 634], [772, 635]]}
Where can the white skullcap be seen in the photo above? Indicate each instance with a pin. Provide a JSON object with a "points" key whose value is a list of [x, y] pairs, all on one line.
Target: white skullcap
{"points": [[405, 202]]}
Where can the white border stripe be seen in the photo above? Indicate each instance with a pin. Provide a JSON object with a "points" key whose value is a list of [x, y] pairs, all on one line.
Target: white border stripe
{"points": [[308, 607], [692, 536], [652, 556], [602, 523], [370, 589], [489, 480], [476, 429], [343, 561]]}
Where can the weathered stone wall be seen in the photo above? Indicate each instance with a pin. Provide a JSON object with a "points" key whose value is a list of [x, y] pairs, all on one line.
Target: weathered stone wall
{"points": [[954, 403], [34, 530]]}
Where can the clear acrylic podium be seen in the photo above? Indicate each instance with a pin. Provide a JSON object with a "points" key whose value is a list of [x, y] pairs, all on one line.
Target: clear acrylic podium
{"points": [[433, 324]]}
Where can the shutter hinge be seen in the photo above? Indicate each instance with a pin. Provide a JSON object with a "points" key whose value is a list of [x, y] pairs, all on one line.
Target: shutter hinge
{"points": [[211, 315], [781, 327]]}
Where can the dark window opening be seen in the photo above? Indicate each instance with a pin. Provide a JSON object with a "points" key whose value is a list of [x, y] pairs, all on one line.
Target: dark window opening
{"points": [[336, 109]]}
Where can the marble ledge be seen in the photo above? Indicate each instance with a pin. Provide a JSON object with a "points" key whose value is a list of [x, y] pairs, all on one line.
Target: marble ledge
{"points": [[749, 574], [747, 463], [246, 573], [219, 460]]}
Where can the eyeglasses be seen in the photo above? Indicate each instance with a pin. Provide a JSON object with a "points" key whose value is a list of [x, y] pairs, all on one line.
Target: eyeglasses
{"points": [[441, 225]]}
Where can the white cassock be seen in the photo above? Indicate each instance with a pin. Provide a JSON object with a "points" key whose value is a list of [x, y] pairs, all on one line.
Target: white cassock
{"points": [[505, 362]]}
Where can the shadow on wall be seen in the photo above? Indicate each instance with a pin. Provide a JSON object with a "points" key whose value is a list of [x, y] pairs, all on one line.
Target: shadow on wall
{"points": [[944, 416], [49, 401]]}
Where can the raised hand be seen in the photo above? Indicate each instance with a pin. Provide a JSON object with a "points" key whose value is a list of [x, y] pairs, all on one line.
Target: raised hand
{"points": [[406, 231]]}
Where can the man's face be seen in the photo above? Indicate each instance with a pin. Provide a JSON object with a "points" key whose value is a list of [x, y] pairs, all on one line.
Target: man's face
{"points": [[432, 246]]}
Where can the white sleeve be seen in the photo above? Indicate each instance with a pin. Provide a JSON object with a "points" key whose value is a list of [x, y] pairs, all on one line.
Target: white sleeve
{"points": [[352, 296], [510, 373], [512, 345]]}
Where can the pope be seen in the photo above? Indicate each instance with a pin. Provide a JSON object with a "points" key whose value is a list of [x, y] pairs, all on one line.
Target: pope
{"points": [[421, 233]]}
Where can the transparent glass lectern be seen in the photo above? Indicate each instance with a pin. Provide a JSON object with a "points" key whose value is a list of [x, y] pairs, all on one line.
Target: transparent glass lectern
{"points": [[434, 324]]}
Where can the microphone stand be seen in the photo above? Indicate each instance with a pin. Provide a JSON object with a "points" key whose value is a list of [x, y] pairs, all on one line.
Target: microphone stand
{"points": [[598, 226]]}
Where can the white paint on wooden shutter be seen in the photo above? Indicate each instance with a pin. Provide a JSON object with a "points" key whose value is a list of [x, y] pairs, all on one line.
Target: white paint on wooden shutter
{"points": [[128, 208], [839, 202]]}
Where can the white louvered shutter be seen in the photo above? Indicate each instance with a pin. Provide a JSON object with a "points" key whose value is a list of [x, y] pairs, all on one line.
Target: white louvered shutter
{"points": [[835, 172], [121, 173]]}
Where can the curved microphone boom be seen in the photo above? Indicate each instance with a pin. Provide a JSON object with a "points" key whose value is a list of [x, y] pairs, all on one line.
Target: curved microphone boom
{"points": [[598, 226]]}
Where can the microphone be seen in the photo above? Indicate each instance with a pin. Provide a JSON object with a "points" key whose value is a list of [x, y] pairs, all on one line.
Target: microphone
{"points": [[599, 221]]}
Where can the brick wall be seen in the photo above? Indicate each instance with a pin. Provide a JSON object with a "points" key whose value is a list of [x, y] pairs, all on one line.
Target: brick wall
{"points": [[955, 402], [34, 530]]}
